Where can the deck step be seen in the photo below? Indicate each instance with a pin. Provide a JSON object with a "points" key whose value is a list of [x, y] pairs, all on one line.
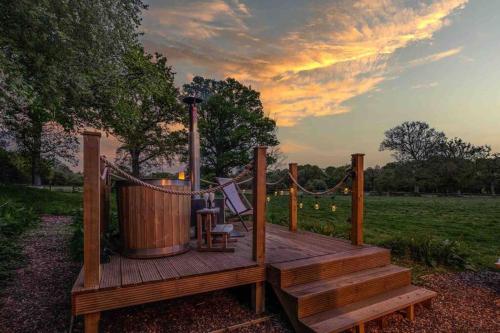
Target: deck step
{"points": [[322, 295], [324, 267], [349, 316]]}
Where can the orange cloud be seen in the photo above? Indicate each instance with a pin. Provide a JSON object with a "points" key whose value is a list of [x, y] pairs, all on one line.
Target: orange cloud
{"points": [[342, 52]]}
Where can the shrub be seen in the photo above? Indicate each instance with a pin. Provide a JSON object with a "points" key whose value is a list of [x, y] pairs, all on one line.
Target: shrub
{"points": [[14, 220], [430, 251]]}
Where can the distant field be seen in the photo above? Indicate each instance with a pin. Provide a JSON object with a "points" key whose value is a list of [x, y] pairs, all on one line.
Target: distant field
{"points": [[473, 221]]}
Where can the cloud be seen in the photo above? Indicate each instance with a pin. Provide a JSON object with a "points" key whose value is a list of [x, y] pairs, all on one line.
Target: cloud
{"points": [[343, 50], [425, 85], [435, 57]]}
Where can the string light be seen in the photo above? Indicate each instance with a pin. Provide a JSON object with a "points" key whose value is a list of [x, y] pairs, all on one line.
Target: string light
{"points": [[244, 191], [334, 208], [301, 205], [291, 190], [316, 206], [281, 192], [346, 190], [181, 175], [268, 198], [275, 193]]}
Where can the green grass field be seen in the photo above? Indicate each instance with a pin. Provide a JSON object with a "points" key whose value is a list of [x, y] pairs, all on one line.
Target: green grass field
{"points": [[424, 229], [472, 222]]}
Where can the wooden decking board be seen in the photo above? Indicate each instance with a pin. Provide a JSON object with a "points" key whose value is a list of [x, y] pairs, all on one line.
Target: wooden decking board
{"points": [[130, 272], [148, 270], [309, 289], [318, 297], [165, 268], [189, 264], [302, 271], [340, 319], [111, 273]]}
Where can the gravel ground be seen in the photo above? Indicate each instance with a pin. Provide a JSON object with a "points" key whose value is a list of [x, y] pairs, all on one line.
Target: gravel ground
{"points": [[38, 300]]}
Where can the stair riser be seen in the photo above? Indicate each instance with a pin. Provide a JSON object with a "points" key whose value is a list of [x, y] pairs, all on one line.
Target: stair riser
{"points": [[332, 269], [313, 304]]}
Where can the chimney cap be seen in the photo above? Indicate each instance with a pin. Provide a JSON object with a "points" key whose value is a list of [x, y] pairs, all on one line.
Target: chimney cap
{"points": [[192, 100]]}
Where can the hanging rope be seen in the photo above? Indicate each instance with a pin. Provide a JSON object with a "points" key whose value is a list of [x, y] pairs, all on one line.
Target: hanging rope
{"points": [[137, 181], [328, 191]]}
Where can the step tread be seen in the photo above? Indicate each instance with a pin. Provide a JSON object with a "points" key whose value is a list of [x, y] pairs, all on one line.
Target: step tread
{"points": [[301, 263], [340, 319], [316, 287]]}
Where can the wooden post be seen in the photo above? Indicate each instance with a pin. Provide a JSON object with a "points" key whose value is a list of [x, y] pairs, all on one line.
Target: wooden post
{"points": [[357, 205], [91, 220], [259, 223], [410, 312], [292, 201]]}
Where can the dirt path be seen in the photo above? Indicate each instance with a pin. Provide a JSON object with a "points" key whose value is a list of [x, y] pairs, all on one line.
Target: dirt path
{"points": [[38, 298]]}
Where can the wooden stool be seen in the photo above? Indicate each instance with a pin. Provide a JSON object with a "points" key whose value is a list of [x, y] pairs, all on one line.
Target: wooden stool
{"points": [[207, 218]]}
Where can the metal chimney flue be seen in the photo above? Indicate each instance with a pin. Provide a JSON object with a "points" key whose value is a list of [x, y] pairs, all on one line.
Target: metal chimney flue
{"points": [[194, 143]]}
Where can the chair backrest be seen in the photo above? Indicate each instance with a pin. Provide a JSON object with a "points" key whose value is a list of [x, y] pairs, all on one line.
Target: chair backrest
{"points": [[231, 192]]}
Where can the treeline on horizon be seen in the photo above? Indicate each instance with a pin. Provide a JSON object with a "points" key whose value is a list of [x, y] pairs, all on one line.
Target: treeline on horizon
{"points": [[426, 161]]}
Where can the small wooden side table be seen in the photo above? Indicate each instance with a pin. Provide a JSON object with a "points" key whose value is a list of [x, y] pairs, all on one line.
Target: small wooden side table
{"points": [[207, 218]]}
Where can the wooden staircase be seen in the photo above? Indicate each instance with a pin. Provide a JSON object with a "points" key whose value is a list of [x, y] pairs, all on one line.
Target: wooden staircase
{"points": [[338, 292]]}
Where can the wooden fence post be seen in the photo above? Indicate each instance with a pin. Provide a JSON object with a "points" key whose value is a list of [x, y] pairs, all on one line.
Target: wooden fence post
{"points": [[292, 201], [91, 220], [358, 193], [259, 223]]}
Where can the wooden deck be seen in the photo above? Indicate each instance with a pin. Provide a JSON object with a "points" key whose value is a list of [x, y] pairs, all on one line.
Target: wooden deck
{"points": [[126, 282]]}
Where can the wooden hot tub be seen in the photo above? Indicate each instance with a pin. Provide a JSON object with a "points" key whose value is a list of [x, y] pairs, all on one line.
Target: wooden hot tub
{"points": [[152, 223]]}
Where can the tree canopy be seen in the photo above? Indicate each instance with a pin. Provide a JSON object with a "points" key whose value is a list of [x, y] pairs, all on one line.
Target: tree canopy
{"points": [[145, 115], [231, 122], [54, 57]]}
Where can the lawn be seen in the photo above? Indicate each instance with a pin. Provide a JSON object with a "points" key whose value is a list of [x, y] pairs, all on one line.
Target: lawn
{"points": [[473, 222]]}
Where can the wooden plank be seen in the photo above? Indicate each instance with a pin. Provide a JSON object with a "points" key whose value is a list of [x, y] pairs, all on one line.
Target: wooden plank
{"points": [[189, 264], [130, 272], [91, 209], [157, 291], [148, 271], [341, 319], [292, 199], [323, 295], [357, 206], [325, 267], [165, 268], [111, 273], [78, 285]]}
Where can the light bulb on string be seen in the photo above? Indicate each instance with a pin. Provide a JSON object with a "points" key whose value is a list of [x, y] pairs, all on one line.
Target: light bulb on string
{"points": [[275, 193], [301, 205], [268, 199], [334, 206], [346, 191], [282, 192], [316, 204]]}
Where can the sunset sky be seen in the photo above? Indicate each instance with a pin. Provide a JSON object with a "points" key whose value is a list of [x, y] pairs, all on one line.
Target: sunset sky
{"points": [[336, 74]]}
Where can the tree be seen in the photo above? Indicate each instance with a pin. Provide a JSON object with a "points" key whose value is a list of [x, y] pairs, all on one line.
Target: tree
{"points": [[55, 56], [231, 123], [413, 142], [145, 112]]}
